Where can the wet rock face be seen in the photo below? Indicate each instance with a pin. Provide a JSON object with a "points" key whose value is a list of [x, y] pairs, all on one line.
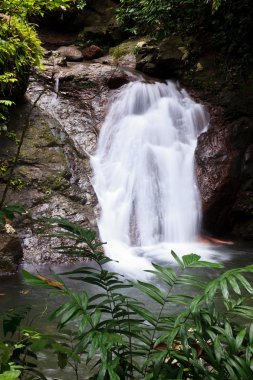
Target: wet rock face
{"points": [[224, 163], [49, 186], [54, 164], [10, 253], [82, 100], [224, 153]]}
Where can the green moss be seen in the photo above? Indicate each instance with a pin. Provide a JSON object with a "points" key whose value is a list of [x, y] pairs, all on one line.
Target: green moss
{"points": [[17, 183], [59, 183], [54, 183], [126, 47]]}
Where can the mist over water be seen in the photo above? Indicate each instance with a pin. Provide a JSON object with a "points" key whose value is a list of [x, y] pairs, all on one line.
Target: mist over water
{"points": [[144, 173]]}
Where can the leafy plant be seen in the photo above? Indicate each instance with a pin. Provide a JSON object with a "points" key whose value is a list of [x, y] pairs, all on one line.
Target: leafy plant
{"points": [[20, 47], [7, 213], [18, 359], [160, 18], [24, 9], [80, 4], [76, 240], [225, 26], [183, 337]]}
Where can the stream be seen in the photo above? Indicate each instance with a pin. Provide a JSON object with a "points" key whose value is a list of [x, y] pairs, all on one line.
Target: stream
{"points": [[12, 288]]}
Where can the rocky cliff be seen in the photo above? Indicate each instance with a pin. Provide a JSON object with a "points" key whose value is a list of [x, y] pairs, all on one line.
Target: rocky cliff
{"points": [[53, 169]]}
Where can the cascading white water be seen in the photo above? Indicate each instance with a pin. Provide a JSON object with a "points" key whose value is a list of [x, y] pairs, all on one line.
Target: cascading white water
{"points": [[144, 167], [57, 84]]}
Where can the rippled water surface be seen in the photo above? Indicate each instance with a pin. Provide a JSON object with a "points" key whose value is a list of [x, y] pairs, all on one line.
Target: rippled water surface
{"points": [[14, 293]]}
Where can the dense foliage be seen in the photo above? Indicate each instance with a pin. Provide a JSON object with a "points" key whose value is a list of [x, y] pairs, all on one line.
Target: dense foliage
{"points": [[79, 4], [118, 337], [18, 359], [28, 7], [20, 48], [225, 25]]}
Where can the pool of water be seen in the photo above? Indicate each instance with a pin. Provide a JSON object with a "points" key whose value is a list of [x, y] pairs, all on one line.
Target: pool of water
{"points": [[14, 293]]}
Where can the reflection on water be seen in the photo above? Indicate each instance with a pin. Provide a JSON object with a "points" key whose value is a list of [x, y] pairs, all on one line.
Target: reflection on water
{"points": [[14, 293]]}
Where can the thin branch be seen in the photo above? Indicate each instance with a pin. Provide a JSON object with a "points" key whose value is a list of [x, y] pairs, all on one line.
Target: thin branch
{"points": [[26, 125]]}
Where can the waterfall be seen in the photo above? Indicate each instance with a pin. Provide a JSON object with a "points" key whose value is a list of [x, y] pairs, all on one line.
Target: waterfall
{"points": [[144, 173], [57, 83]]}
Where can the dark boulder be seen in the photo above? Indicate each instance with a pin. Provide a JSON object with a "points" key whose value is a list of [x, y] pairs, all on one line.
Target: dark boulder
{"points": [[117, 80], [92, 52], [165, 60], [10, 253]]}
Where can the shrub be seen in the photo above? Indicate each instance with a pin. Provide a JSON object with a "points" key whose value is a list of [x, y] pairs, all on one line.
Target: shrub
{"points": [[19, 50], [18, 359], [223, 25], [183, 337], [20, 47]]}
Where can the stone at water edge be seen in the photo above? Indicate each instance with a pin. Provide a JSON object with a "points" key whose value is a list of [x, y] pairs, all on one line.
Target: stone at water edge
{"points": [[10, 253], [117, 80]]}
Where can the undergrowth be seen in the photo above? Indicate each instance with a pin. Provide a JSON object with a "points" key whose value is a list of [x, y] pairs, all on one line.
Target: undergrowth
{"points": [[115, 335]]}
